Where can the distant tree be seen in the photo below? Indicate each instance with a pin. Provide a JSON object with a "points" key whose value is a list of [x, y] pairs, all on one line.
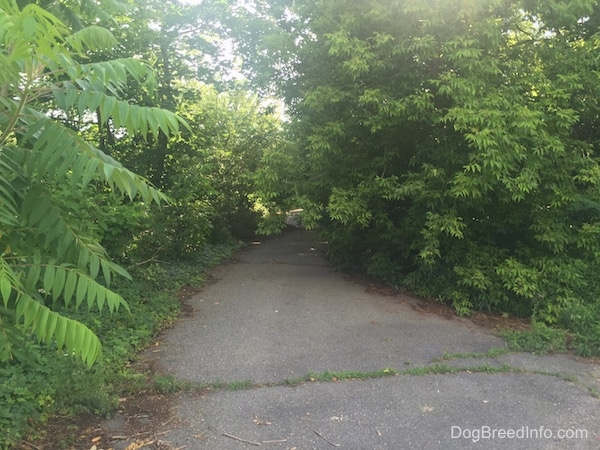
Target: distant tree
{"points": [[213, 178], [183, 42]]}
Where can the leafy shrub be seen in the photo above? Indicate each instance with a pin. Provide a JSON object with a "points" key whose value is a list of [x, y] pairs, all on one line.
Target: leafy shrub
{"points": [[582, 322], [453, 176], [41, 382]]}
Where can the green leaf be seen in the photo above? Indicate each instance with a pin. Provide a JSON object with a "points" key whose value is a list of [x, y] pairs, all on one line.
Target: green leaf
{"points": [[83, 259], [5, 288], [92, 293], [70, 286], [119, 270], [40, 322], [50, 328], [33, 276], [59, 281], [94, 266], [82, 290], [92, 38], [101, 298], [49, 278], [60, 333], [106, 271]]}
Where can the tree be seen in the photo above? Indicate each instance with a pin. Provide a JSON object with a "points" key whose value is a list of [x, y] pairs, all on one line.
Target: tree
{"points": [[450, 146], [183, 42], [50, 258], [208, 170]]}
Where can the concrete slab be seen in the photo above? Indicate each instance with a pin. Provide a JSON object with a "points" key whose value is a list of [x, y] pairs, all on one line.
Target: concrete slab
{"points": [[426, 412], [279, 311]]}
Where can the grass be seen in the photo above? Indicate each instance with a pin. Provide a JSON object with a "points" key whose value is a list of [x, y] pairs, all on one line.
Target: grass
{"points": [[491, 353], [168, 384], [328, 376], [240, 385], [442, 369]]}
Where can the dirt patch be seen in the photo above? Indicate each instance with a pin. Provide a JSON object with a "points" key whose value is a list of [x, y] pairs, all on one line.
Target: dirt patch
{"points": [[141, 421]]}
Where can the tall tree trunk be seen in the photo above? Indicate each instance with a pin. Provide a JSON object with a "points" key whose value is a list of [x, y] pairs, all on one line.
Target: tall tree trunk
{"points": [[167, 101]]}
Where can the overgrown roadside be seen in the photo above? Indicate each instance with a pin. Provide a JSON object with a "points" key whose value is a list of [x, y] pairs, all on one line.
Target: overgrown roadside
{"points": [[50, 401]]}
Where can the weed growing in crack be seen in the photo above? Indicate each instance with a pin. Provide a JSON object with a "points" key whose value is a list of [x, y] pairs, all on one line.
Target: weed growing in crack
{"points": [[240, 385], [491, 353]]}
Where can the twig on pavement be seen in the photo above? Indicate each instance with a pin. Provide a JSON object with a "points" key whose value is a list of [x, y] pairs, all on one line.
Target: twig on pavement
{"points": [[258, 444], [168, 421], [325, 439]]}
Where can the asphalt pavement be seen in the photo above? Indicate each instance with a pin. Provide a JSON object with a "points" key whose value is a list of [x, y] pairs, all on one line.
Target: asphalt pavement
{"points": [[278, 313]]}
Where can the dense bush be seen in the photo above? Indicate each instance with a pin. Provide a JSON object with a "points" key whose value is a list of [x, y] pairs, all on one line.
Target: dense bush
{"points": [[452, 149]]}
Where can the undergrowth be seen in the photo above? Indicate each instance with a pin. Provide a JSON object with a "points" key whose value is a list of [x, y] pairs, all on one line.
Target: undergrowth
{"points": [[540, 339], [41, 383]]}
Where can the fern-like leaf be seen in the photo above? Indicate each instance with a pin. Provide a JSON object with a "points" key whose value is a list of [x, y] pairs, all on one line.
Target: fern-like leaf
{"points": [[48, 325], [8, 205], [135, 119], [93, 38], [47, 254]]}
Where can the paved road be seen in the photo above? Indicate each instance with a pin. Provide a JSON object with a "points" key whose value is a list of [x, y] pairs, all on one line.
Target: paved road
{"points": [[279, 312]]}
